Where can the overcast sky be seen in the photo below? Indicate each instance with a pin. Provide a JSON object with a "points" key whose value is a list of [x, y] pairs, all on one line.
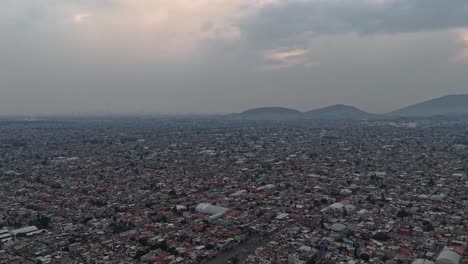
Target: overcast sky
{"points": [[220, 56]]}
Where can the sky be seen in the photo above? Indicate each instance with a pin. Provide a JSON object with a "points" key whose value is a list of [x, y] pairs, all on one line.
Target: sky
{"points": [[60, 57]]}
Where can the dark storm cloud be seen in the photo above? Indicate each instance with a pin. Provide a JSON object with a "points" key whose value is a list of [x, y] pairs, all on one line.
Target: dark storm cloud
{"points": [[297, 18]]}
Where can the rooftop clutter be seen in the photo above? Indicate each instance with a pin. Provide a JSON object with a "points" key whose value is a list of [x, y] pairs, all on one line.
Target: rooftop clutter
{"points": [[211, 191]]}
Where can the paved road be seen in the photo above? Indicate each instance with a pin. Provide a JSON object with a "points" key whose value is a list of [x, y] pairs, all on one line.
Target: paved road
{"points": [[242, 250]]}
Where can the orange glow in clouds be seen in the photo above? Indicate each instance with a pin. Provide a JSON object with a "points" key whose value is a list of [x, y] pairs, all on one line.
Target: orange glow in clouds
{"points": [[287, 55], [78, 18], [277, 60], [463, 36], [167, 27]]}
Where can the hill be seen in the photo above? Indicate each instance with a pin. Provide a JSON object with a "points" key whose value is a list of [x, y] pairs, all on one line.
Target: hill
{"points": [[449, 105], [269, 113], [339, 112]]}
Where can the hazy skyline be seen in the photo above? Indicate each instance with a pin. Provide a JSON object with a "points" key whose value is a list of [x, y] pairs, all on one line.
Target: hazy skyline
{"points": [[208, 56]]}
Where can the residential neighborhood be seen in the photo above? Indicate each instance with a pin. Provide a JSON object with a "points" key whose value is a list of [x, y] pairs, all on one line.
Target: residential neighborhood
{"points": [[216, 191]]}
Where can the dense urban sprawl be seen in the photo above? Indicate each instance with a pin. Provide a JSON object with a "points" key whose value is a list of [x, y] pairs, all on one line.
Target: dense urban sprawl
{"points": [[217, 191]]}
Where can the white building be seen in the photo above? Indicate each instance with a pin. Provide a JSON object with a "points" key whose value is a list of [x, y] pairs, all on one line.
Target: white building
{"points": [[448, 257], [211, 209], [422, 261]]}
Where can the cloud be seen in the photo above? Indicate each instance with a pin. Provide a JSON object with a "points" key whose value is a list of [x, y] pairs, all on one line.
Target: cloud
{"points": [[296, 18], [285, 58], [147, 28], [80, 17], [179, 28], [175, 27], [463, 37], [205, 55], [463, 33]]}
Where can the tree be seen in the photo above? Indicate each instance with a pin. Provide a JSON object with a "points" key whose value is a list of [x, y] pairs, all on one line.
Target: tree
{"points": [[381, 236], [364, 256], [141, 252], [316, 203], [173, 251], [40, 221], [427, 226], [234, 260], [431, 183], [143, 241], [370, 199], [402, 213], [176, 212]]}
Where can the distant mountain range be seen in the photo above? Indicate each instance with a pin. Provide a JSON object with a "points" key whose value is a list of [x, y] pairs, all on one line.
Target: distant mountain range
{"points": [[450, 105], [268, 113], [338, 112], [444, 106]]}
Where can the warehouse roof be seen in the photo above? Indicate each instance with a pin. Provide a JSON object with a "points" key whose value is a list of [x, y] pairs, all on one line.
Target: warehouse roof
{"points": [[211, 209]]}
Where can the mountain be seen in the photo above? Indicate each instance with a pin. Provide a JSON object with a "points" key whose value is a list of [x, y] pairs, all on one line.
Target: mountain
{"points": [[269, 113], [339, 112], [334, 112], [449, 105]]}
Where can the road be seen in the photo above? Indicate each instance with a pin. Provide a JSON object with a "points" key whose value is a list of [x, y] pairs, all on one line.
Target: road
{"points": [[242, 250]]}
